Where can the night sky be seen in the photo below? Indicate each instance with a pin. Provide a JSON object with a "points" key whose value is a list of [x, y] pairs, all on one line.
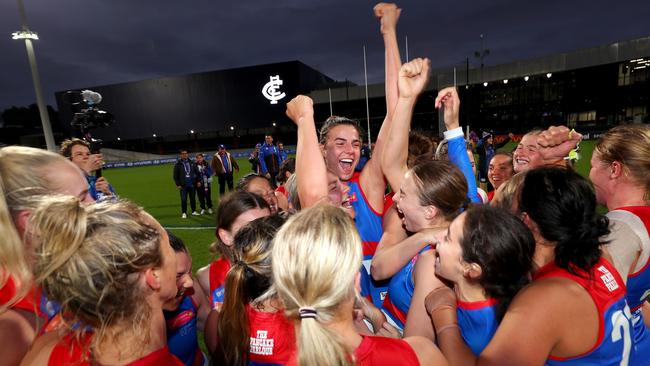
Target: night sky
{"points": [[97, 42]]}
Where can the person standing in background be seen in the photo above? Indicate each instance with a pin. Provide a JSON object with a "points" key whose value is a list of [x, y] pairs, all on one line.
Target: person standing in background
{"points": [[254, 159], [186, 175], [222, 166], [270, 159], [203, 189], [283, 154]]}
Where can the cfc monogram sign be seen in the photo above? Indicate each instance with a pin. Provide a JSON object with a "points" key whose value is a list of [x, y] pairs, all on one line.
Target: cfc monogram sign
{"points": [[271, 89]]}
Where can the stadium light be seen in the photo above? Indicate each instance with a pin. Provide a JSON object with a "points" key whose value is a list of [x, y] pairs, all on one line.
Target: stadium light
{"points": [[505, 81], [548, 75], [485, 84], [232, 128], [526, 78], [192, 131], [24, 34], [274, 124], [119, 139], [154, 135]]}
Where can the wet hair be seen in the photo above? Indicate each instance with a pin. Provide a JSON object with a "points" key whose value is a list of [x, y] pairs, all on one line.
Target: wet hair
{"points": [[91, 259], [67, 145], [563, 205], [176, 243], [249, 280], [230, 208], [441, 184], [502, 245], [25, 177], [629, 145], [334, 121], [289, 165], [320, 276]]}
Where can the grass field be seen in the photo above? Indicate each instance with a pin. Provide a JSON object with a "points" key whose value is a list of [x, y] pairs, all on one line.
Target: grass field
{"points": [[153, 188]]}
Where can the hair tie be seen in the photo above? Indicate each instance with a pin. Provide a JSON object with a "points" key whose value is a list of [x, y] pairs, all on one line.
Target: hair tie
{"points": [[307, 312]]}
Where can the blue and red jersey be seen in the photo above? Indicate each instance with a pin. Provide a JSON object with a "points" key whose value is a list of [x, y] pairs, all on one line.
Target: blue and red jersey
{"points": [[615, 343], [477, 322], [369, 226], [182, 336], [272, 338], [400, 292], [218, 271], [638, 286]]}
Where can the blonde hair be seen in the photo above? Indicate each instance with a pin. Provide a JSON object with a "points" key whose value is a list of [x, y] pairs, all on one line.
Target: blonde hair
{"points": [[506, 196], [90, 260], [22, 181], [316, 257], [629, 145]]}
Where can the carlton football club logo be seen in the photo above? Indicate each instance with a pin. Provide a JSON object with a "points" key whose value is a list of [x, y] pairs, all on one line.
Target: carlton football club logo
{"points": [[271, 89]]}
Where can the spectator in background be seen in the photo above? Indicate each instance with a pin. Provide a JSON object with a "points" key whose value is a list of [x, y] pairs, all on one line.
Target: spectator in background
{"points": [[222, 166], [269, 159], [283, 154], [78, 151], [203, 189], [186, 175], [254, 159]]}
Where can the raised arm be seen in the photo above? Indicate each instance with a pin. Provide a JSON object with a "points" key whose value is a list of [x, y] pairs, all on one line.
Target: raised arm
{"points": [[311, 172], [413, 77], [372, 177], [457, 152], [388, 15]]}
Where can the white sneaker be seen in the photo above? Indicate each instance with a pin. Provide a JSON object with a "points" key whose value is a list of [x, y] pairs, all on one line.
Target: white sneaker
{"points": [[202, 212], [196, 213], [184, 216], [210, 211]]}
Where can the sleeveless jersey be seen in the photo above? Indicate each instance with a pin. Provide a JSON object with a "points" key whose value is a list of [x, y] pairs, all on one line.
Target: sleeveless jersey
{"points": [[272, 338], [218, 271], [70, 352], [369, 226], [182, 337], [400, 292], [477, 322], [615, 345], [638, 287]]}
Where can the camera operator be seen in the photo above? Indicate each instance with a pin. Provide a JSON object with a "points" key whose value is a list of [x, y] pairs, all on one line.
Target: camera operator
{"points": [[78, 151]]}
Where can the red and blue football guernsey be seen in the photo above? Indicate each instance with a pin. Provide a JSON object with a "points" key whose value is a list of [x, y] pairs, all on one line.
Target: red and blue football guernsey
{"points": [[638, 284], [477, 322], [218, 271], [369, 226], [182, 337], [615, 344], [70, 351], [400, 292], [272, 338]]}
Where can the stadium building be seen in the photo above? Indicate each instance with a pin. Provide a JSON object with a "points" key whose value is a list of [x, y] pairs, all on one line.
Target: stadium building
{"points": [[591, 90]]}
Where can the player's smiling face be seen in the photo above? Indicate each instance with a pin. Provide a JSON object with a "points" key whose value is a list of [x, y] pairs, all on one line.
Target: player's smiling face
{"points": [[342, 150]]}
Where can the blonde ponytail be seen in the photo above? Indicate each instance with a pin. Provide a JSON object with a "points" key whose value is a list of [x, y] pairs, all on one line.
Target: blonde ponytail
{"points": [[316, 257]]}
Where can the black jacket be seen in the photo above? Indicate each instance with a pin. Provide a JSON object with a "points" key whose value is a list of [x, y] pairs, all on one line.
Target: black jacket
{"points": [[179, 173]]}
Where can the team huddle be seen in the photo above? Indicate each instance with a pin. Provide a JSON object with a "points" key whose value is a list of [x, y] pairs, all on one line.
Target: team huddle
{"points": [[403, 262]]}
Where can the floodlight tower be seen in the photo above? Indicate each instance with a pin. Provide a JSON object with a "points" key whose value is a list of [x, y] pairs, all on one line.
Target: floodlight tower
{"points": [[27, 35]]}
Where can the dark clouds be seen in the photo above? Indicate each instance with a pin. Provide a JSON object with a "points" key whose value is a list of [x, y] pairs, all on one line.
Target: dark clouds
{"points": [[95, 42]]}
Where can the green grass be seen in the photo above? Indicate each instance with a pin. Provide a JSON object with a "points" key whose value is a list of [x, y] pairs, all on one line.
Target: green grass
{"points": [[153, 188]]}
